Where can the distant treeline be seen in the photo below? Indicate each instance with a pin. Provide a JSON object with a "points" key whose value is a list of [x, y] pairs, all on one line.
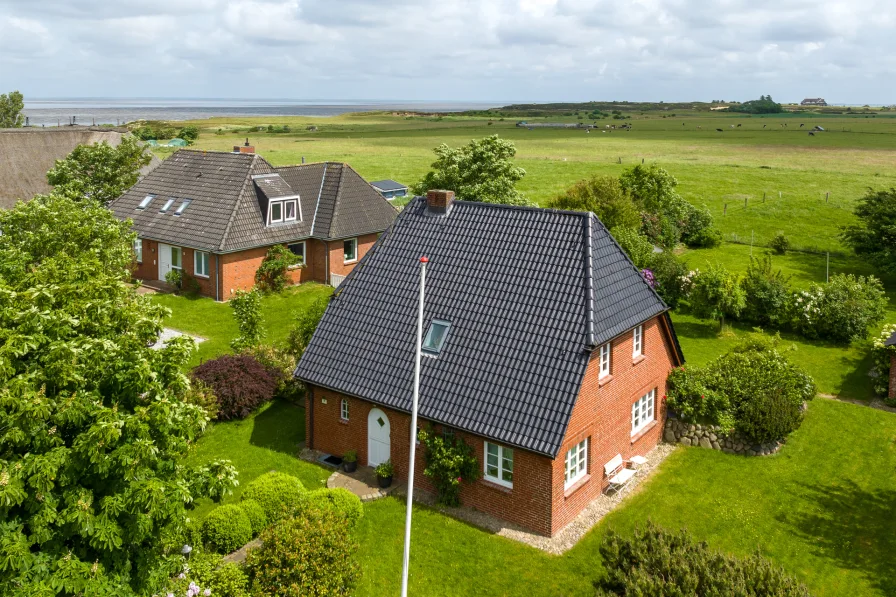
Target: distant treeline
{"points": [[571, 108]]}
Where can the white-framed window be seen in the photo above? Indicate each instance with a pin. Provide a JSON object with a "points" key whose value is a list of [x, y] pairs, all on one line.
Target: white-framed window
{"points": [[176, 258], [642, 411], [436, 336], [138, 250], [144, 203], [297, 249], [200, 263], [184, 205], [289, 211], [343, 410], [282, 211], [168, 203], [638, 341], [576, 463], [350, 249], [499, 464], [605, 351]]}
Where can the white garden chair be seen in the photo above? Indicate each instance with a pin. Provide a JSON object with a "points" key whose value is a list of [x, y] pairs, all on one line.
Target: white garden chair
{"points": [[618, 474]]}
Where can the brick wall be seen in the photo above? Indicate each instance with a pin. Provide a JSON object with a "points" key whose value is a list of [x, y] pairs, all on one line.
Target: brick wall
{"points": [[603, 413], [892, 377], [337, 255], [528, 504], [239, 268], [148, 269]]}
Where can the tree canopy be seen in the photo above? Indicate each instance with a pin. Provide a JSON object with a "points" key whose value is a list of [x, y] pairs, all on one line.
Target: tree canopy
{"points": [[605, 197], [483, 170], [764, 105], [874, 236], [99, 172], [94, 428], [11, 106]]}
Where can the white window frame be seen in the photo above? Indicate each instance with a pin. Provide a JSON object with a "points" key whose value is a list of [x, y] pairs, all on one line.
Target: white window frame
{"points": [[271, 205], [643, 411], [576, 464], [606, 357], [283, 217], [138, 250], [354, 242], [168, 203], [304, 248], [295, 210], [180, 257], [343, 410], [199, 271], [504, 454], [638, 341]]}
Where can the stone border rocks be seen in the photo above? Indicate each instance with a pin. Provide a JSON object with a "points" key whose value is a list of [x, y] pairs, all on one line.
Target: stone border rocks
{"points": [[713, 438]]}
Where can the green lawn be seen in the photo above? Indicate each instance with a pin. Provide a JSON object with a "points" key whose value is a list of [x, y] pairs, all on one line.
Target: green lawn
{"points": [[822, 508]]}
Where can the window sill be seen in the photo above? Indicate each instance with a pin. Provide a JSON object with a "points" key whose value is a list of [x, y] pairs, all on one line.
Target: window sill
{"points": [[349, 261], [343, 421], [601, 382], [643, 431], [201, 276], [638, 359], [576, 486], [496, 486], [294, 267]]}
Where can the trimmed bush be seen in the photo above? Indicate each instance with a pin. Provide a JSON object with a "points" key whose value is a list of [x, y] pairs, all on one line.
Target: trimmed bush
{"points": [[257, 518], [226, 528], [658, 562], [278, 494], [240, 383], [340, 500], [309, 556]]}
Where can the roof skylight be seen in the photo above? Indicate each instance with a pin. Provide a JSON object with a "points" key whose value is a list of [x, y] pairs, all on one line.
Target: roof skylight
{"points": [[436, 336], [167, 205], [183, 206], [146, 201]]}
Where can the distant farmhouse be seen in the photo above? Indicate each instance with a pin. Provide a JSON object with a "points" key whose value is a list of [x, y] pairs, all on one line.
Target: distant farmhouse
{"points": [[26, 154], [813, 101], [214, 215], [390, 189]]}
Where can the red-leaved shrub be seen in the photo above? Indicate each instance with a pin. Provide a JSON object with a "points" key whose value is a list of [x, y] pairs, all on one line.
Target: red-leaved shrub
{"points": [[240, 383]]}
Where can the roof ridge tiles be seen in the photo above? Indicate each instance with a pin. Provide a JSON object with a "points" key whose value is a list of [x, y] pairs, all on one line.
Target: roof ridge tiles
{"points": [[236, 205]]}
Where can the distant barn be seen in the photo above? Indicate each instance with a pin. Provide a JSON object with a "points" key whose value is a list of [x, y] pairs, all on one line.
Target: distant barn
{"points": [[26, 154], [813, 101], [390, 189]]}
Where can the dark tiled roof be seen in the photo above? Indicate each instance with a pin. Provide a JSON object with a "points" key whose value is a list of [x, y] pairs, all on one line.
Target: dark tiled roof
{"points": [[528, 293], [891, 341], [228, 198], [388, 185]]}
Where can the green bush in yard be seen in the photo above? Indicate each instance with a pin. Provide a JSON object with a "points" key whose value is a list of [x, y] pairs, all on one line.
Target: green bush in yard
{"points": [[637, 246], [312, 555], [716, 294], [226, 528], [779, 244], [278, 494], [766, 292], [671, 276], [881, 356], [659, 563], [257, 518], [340, 500], [207, 571], [841, 310]]}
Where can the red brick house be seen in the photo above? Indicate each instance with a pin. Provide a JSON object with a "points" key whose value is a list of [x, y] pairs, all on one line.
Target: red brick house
{"points": [[544, 349], [891, 394], [214, 215]]}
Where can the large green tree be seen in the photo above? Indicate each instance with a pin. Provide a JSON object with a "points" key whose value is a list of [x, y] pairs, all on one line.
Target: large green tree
{"points": [[94, 428], [11, 106], [874, 237], [100, 172], [483, 170], [605, 197]]}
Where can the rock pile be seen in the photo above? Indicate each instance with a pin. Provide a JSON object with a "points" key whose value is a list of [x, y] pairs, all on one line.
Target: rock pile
{"points": [[712, 437]]}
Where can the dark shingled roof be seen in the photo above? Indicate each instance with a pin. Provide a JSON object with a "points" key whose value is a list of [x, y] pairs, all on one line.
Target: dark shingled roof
{"points": [[528, 292], [891, 341], [388, 185], [229, 192]]}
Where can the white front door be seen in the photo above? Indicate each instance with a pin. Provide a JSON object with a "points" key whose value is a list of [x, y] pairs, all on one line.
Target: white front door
{"points": [[378, 437], [169, 258]]}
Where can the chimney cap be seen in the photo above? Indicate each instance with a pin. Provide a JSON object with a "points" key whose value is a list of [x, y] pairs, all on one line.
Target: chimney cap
{"points": [[439, 201]]}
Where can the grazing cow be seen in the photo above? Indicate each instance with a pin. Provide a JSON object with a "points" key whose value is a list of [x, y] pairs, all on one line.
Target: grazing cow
{"points": [[802, 124], [738, 125], [764, 125], [720, 130], [811, 134], [699, 128], [731, 125]]}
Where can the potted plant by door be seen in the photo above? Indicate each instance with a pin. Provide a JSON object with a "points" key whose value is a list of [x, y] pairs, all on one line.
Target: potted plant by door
{"points": [[350, 461], [384, 474]]}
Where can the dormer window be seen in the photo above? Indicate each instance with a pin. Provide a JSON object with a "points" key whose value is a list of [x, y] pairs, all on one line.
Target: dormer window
{"points": [[146, 201], [282, 211], [183, 206], [167, 205], [436, 336]]}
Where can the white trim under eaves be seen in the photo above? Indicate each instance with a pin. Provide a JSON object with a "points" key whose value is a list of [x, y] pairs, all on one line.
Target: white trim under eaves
{"points": [[320, 192]]}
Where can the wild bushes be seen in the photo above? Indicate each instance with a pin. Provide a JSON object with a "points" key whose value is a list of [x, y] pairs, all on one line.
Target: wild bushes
{"points": [[240, 383], [271, 274]]}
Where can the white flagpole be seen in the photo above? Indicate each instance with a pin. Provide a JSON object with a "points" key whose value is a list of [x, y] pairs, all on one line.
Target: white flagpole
{"points": [[417, 356]]}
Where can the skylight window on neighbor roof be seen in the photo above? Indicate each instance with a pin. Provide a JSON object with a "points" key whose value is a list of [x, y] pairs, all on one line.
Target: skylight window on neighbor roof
{"points": [[183, 206], [146, 201], [436, 336], [167, 205]]}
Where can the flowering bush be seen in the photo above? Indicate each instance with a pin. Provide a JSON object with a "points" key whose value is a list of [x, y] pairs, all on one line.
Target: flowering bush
{"points": [[205, 575], [240, 383], [308, 556], [881, 356], [841, 310], [340, 500], [649, 277], [226, 528], [449, 462], [671, 278], [278, 494]]}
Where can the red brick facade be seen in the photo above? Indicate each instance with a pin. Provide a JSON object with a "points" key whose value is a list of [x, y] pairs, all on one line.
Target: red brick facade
{"points": [[538, 499], [237, 270], [892, 393]]}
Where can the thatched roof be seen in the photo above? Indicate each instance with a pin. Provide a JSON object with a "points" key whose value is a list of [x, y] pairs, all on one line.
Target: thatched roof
{"points": [[26, 154]]}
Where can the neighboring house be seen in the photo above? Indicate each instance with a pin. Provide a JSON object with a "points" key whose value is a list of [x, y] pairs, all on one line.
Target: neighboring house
{"points": [[26, 154], [214, 215], [892, 342], [390, 189], [813, 101], [544, 349]]}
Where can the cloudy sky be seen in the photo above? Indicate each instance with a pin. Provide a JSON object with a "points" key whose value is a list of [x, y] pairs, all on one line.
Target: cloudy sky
{"points": [[491, 50]]}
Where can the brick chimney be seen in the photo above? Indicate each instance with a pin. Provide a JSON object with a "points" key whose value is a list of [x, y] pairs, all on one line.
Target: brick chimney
{"points": [[438, 201], [245, 148]]}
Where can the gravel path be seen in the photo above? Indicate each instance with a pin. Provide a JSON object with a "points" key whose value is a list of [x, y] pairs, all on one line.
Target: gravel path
{"points": [[571, 533]]}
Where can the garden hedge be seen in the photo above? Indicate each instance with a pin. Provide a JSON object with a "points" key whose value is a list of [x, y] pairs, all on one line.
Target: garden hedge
{"points": [[340, 500], [226, 528], [257, 518], [279, 494]]}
